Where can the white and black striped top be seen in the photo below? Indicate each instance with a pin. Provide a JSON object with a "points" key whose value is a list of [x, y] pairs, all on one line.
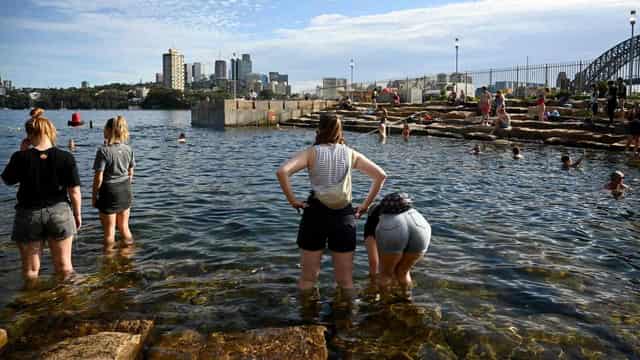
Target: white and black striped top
{"points": [[330, 166]]}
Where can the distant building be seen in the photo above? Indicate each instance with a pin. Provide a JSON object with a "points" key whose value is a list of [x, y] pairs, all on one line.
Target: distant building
{"points": [[460, 78], [254, 82], [221, 69], [159, 78], [333, 88], [245, 67], [198, 73], [442, 78], [235, 69], [142, 92], [188, 74], [84, 84], [173, 70]]}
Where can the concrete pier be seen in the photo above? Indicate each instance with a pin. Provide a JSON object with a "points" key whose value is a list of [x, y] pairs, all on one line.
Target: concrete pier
{"points": [[237, 113]]}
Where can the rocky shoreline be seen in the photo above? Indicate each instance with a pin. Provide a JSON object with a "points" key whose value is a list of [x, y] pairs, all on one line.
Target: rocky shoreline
{"points": [[463, 122]]}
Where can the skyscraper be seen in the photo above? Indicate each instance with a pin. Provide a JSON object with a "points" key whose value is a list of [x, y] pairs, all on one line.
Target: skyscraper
{"points": [[245, 67], [188, 74], [197, 71], [221, 69], [235, 69], [159, 78], [173, 70]]}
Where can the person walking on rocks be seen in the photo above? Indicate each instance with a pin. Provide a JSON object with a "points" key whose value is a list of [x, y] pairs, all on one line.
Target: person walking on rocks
{"points": [[113, 165], [49, 199], [594, 101], [622, 93], [612, 101], [485, 105], [328, 218]]}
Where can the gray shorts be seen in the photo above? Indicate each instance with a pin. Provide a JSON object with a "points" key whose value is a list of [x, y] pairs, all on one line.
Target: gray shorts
{"points": [[54, 222], [405, 232]]}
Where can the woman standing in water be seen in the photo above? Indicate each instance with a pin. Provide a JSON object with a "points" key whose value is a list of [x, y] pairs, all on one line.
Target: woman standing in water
{"points": [[113, 167], [328, 214], [49, 183]]}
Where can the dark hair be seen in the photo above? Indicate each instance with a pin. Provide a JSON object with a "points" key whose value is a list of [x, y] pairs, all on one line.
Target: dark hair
{"points": [[182, 136], [565, 158], [516, 150], [329, 129]]}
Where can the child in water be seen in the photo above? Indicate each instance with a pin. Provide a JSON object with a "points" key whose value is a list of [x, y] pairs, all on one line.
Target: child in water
{"points": [[567, 163], [616, 185], [476, 150], [516, 153], [406, 131], [182, 139]]}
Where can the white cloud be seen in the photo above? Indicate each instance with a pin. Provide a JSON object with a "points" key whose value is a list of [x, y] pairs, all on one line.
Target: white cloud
{"points": [[129, 36]]}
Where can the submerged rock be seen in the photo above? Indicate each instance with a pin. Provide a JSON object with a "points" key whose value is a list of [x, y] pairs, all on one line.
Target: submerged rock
{"points": [[104, 345]]}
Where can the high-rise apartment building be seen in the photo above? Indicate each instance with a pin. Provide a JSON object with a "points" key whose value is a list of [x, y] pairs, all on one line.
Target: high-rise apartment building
{"points": [[221, 69], [235, 69], [173, 70], [245, 67], [333, 88], [188, 74], [159, 78], [197, 71]]}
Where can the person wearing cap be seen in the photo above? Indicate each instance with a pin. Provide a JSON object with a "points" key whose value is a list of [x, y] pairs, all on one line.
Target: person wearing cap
{"points": [[616, 185], [402, 237]]}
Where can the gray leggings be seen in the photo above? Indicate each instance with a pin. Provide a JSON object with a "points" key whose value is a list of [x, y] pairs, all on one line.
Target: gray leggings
{"points": [[405, 232]]}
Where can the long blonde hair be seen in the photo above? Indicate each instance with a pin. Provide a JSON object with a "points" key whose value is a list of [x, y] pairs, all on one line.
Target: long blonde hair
{"points": [[39, 126], [116, 130]]}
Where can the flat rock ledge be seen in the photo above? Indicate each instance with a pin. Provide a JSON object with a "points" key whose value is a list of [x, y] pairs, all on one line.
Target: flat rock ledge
{"points": [[101, 346], [299, 342]]}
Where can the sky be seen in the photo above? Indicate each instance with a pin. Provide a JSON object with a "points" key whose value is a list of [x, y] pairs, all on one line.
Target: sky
{"points": [[60, 43]]}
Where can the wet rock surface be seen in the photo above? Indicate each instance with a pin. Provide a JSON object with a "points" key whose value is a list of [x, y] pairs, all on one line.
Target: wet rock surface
{"points": [[300, 342], [103, 345]]}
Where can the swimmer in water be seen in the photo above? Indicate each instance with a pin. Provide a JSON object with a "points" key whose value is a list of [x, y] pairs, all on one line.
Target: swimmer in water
{"points": [[382, 126], [182, 139], [72, 145], [616, 185], [517, 155], [476, 150], [567, 163], [406, 131]]}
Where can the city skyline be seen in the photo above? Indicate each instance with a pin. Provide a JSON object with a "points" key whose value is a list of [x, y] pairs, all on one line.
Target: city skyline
{"points": [[120, 43]]}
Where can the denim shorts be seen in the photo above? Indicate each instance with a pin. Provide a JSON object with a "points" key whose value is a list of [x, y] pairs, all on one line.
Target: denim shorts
{"points": [[407, 232], [54, 222]]}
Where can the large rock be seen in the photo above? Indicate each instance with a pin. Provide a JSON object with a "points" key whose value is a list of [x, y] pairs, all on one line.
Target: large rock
{"points": [[458, 115], [302, 342], [3, 338], [104, 345]]}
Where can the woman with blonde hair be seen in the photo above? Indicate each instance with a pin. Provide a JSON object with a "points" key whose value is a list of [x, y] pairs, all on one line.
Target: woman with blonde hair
{"points": [[113, 167], [49, 200], [328, 217]]}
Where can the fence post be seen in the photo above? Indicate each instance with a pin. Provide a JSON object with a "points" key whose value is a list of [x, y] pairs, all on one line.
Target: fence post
{"points": [[490, 78], [546, 75], [580, 81], [517, 80]]}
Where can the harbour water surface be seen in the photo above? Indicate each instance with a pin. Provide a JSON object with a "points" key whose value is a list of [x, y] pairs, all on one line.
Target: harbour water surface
{"points": [[526, 260]]}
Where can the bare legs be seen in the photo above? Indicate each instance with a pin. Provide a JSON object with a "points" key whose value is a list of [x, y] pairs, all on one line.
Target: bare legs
{"points": [[397, 267], [372, 252], [109, 224], [60, 252], [310, 261]]}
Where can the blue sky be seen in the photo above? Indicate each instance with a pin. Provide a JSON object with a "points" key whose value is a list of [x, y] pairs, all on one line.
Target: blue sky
{"points": [[59, 43]]}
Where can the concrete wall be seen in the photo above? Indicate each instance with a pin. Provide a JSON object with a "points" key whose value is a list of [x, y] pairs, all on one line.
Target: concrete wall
{"points": [[236, 113]]}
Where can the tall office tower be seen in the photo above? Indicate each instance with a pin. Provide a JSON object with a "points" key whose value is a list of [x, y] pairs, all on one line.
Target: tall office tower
{"points": [[221, 69], [197, 71], [235, 69], [273, 77], [159, 78], [188, 74], [173, 70], [245, 67]]}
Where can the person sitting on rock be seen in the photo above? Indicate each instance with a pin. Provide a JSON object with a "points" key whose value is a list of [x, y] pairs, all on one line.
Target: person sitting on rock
{"points": [[622, 93], [503, 121], [616, 185], [517, 154], [452, 97], [567, 163], [396, 99], [633, 129]]}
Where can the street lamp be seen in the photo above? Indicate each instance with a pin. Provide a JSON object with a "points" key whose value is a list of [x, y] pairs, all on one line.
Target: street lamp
{"points": [[632, 21], [455, 84], [352, 64]]}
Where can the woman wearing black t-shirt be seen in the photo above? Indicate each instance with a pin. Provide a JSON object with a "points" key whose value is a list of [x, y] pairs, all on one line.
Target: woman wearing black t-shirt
{"points": [[49, 183]]}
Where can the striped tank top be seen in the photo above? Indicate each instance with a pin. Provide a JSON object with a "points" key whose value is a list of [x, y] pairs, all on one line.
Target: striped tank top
{"points": [[330, 175]]}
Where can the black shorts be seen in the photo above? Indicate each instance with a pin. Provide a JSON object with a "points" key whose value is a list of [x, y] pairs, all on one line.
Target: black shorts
{"points": [[321, 224], [634, 128], [114, 197]]}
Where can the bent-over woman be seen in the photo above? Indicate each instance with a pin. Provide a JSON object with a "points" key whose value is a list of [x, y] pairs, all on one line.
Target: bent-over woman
{"points": [[113, 167], [329, 219], [49, 200]]}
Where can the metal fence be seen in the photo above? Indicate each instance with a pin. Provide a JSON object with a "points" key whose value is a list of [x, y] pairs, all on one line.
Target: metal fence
{"points": [[519, 80]]}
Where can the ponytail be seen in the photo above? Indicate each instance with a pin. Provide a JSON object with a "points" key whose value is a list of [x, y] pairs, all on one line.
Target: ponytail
{"points": [[39, 126]]}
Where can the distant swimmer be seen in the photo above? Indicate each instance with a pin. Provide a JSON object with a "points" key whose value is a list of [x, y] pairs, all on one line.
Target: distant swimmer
{"points": [[182, 139], [517, 154], [406, 131], [476, 150], [616, 185], [382, 126], [90, 124], [72, 145], [402, 236], [567, 163]]}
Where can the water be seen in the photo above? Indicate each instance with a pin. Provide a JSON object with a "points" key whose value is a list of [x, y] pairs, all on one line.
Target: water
{"points": [[526, 260]]}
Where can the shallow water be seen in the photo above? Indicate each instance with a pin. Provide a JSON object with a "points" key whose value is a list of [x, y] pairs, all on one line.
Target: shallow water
{"points": [[526, 260]]}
